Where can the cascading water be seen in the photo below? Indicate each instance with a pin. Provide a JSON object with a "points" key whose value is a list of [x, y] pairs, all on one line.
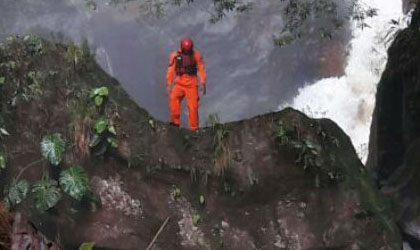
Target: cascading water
{"points": [[349, 100]]}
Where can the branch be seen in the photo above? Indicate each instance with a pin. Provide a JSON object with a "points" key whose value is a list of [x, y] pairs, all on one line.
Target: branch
{"points": [[157, 234], [26, 167]]}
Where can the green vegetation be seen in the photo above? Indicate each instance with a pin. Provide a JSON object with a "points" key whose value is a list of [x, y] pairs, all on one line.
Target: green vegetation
{"points": [[313, 154], [221, 7], [308, 153], [3, 132], [102, 125], [104, 132], [280, 134], [297, 14], [99, 95], [2, 162], [87, 246], [52, 148], [34, 86], [15, 192], [80, 57], [152, 124], [104, 136], [176, 192], [90, 4], [34, 45], [81, 123], [222, 153], [47, 194], [74, 182], [196, 219], [22, 79]]}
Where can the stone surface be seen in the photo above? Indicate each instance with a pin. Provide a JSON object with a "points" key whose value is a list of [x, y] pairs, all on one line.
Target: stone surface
{"points": [[305, 190], [395, 133]]}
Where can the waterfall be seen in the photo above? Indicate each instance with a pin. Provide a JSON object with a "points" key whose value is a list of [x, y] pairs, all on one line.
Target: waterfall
{"points": [[350, 99]]}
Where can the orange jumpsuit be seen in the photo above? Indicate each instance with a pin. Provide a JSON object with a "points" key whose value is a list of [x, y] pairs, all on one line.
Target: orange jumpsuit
{"points": [[185, 86]]}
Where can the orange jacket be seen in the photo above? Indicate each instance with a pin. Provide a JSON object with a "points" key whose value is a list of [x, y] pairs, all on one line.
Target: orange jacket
{"points": [[186, 80]]}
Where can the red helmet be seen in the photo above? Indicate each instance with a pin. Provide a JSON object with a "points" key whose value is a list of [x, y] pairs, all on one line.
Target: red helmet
{"points": [[187, 45]]}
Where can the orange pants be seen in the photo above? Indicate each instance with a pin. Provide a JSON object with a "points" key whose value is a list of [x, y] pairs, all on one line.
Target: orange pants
{"points": [[175, 98]]}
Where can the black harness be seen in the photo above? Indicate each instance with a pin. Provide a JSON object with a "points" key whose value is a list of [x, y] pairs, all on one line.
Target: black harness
{"points": [[185, 64]]}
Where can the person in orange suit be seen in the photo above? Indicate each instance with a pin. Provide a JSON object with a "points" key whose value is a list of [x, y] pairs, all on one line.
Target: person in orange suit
{"points": [[184, 66]]}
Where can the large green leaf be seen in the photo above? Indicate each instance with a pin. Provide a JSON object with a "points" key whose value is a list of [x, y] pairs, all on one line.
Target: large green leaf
{"points": [[3, 131], [87, 246], [2, 162], [52, 148], [95, 140], [98, 100], [16, 191], [310, 144], [113, 142], [2, 80], [111, 128], [101, 125], [47, 194], [196, 219], [74, 182], [102, 91]]}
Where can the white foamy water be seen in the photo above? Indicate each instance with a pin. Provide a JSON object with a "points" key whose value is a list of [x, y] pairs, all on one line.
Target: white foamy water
{"points": [[350, 99]]}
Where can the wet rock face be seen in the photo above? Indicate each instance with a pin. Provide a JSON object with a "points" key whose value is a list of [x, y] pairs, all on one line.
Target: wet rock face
{"points": [[396, 117], [403, 188], [394, 146], [281, 181], [265, 200], [409, 5]]}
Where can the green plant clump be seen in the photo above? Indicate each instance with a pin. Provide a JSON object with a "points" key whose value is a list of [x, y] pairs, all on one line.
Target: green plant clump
{"points": [[311, 155], [15, 192], [99, 95], [196, 219], [176, 192], [280, 134], [74, 182], [80, 57], [307, 153], [52, 148], [220, 144], [104, 136], [47, 194]]}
